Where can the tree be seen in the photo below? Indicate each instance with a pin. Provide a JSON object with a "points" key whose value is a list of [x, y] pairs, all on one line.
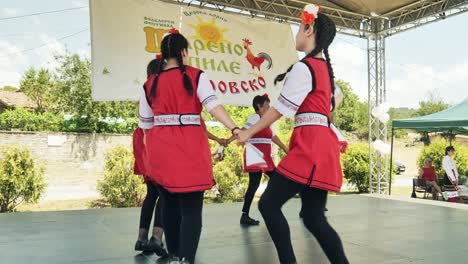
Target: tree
{"points": [[433, 105], [37, 85], [348, 116], [73, 95], [21, 178], [119, 186]]}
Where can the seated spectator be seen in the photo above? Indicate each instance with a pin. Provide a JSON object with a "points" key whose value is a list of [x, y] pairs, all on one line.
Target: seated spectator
{"points": [[428, 174]]}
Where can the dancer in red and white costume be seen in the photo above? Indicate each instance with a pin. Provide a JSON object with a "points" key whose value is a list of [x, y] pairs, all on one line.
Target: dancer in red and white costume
{"points": [[152, 201], [262, 141], [179, 158], [312, 165]]}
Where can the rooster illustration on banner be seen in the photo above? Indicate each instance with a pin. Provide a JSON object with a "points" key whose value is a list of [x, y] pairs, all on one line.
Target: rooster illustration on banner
{"points": [[257, 61]]}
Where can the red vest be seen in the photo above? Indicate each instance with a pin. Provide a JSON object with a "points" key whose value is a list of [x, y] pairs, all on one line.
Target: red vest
{"points": [[314, 158], [179, 157]]}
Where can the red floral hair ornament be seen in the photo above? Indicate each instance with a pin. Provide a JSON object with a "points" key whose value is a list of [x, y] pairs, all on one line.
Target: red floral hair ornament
{"points": [[159, 56], [171, 31], [309, 14], [265, 95], [174, 31]]}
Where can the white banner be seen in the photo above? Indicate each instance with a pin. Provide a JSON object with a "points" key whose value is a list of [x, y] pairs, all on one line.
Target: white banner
{"points": [[241, 55]]}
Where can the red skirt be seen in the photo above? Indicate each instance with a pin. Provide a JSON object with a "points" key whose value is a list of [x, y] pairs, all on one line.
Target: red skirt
{"points": [[179, 158], [313, 158]]}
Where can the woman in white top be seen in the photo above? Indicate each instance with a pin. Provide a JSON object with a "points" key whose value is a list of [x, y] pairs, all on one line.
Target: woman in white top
{"points": [[451, 175]]}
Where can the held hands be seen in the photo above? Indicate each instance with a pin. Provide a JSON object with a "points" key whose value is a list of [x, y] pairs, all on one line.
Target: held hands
{"points": [[242, 136], [223, 142]]}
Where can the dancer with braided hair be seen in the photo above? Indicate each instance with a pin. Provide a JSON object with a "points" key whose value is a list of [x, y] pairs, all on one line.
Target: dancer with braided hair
{"points": [[179, 158], [312, 165]]}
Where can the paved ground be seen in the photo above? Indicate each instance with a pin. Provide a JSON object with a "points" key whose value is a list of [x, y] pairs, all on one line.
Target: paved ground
{"points": [[373, 231]]}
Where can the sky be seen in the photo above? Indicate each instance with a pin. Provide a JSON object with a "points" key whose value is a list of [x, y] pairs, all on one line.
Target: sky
{"points": [[430, 59]]}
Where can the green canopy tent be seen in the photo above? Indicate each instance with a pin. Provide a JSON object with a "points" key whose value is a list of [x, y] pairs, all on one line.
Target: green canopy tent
{"points": [[452, 121]]}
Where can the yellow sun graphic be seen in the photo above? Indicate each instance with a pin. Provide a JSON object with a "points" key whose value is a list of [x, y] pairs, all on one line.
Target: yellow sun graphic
{"points": [[208, 31]]}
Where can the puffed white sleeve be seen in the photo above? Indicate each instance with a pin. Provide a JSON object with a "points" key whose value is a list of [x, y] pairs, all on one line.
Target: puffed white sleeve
{"points": [[252, 120], [145, 112], [297, 86], [205, 93]]}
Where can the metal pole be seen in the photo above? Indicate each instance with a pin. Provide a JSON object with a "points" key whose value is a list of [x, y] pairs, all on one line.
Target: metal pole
{"points": [[391, 164]]}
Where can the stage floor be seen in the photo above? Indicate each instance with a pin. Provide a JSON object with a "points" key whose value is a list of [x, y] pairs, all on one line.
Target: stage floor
{"points": [[373, 231]]}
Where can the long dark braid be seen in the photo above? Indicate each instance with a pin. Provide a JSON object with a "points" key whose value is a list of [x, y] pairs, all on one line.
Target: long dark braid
{"points": [[325, 33], [187, 82], [332, 77], [153, 67], [171, 47], [158, 70]]}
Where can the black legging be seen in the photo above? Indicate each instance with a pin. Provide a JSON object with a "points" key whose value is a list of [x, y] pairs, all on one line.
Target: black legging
{"points": [[279, 191], [182, 220], [254, 182], [148, 207]]}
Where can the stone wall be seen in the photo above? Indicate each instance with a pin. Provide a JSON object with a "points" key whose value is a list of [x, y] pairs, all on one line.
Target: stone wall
{"points": [[74, 161]]}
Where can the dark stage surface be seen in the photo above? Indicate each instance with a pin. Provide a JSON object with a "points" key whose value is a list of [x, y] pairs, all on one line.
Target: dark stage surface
{"points": [[373, 231]]}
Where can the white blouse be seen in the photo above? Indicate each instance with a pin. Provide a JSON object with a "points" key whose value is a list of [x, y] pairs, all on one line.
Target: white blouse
{"points": [[450, 168], [297, 86]]}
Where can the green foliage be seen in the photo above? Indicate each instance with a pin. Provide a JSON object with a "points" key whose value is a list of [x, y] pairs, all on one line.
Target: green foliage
{"points": [[21, 178], [284, 131], [347, 116], [355, 165], [20, 118], [9, 88], [436, 152], [400, 113], [73, 95], [228, 173], [37, 85], [120, 187], [363, 129], [238, 114], [432, 105]]}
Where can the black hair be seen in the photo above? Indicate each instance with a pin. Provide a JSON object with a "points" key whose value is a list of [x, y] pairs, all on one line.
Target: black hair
{"points": [[171, 47], [153, 67], [258, 101], [325, 33], [448, 149]]}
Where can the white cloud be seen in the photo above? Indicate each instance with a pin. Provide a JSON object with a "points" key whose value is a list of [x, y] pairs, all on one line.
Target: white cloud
{"points": [[46, 55], [7, 12], [413, 83], [78, 3], [85, 53], [350, 65], [406, 84], [11, 66]]}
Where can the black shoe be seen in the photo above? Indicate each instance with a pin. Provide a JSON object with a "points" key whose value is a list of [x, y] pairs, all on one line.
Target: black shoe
{"points": [[157, 247], [247, 221], [143, 246]]}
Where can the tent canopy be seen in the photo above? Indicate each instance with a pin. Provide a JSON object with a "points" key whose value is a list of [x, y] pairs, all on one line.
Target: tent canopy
{"points": [[351, 16], [453, 120]]}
